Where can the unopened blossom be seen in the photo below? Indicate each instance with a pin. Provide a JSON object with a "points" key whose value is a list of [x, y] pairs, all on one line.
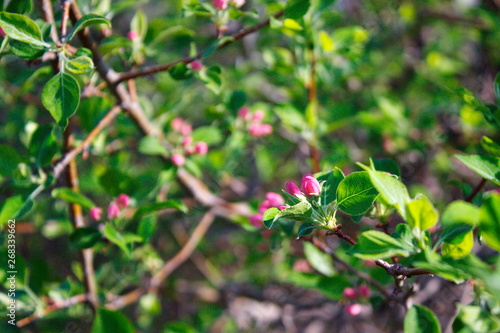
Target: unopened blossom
{"points": [[274, 199], [132, 35], [257, 130], [310, 186], [293, 189], [178, 160], [258, 116], [256, 220], [220, 4], [186, 129], [95, 213], [177, 124], [244, 112], [201, 148], [364, 291], [350, 293], [196, 65], [187, 140], [353, 310], [113, 210], [123, 200]]}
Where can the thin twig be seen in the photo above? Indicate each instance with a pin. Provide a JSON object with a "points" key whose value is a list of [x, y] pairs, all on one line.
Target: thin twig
{"points": [[340, 234], [65, 4], [400, 273], [48, 16], [58, 305], [70, 155], [167, 269], [476, 190]]}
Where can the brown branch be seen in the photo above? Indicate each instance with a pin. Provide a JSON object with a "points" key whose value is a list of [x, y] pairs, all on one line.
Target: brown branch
{"points": [[48, 16], [51, 308], [65, 5], [476, 190], [87, 255], [167, 269], [340, 234], [326, 249], [400, 273], [161, 68], [71, 154]]}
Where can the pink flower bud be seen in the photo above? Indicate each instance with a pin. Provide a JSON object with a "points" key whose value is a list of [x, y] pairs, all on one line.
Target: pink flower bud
{"points": [[196, 65], [95, 213], [186, 129], [187, 141], [132, 35], [293, 189], [310, 186], [364, 291], [244, 112], [274, 199], [2, 33], [350, 293], [201, 148], [258, 116], [353, 310], [123, 200], [256, 220], [265, 205], [220, 4], [177, 124], [178, 160], [257, 130], [113, 211], [237, 3], [282, 207]]}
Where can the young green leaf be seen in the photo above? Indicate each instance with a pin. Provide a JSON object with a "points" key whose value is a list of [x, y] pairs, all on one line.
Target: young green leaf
{"points": [[490, 146], [21, 28], [319, 260], [420, 319], [116, 237], [374, 244], [85, 21], [20, 7], [487, 167], [9, 208], [211, 76], [460, 212], [298, 212], [473, 318], [80, 65], [490, 221], [25, 50], [84, 238], [111, 321], [180, 72], [295, 9], [61, 96], [452, 231], [355, 193], [69, 195], [420, 213], [459, 246], [152, 208], [305, 229], [332, 180]]}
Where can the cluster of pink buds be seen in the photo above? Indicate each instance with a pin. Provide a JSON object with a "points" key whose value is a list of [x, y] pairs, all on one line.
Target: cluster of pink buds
{"points": [[253, 122], [222, 4], [186, 146], [355, 309], [309, 186], [114, 208], [272, 200]]}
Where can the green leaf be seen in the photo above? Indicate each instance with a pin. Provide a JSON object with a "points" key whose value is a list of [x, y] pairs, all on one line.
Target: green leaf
{"points": [[9, 159], [392, 191], [21, 28], [374, 244], [420, 319], [385, 165], [421, 214], [80, 65], [69, 195], [298, 212], [84, 238], [331, 180], [61, 96], [237, 100], [355, 193], [442, 266], [487, 167], [9, 208], [85, 21], [147, 227], [319, 260], [211, 135], [404, 236], [114, 236], [472, 318], [490, 221], [453, 231], [25, 50], [490, 146], [211, 76], [459, 246], [305, 229], [152, 208], [180, 72], [111, 321], [20, 7], [151, 145], [295, 9], [460, 212], [43, 145]]}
